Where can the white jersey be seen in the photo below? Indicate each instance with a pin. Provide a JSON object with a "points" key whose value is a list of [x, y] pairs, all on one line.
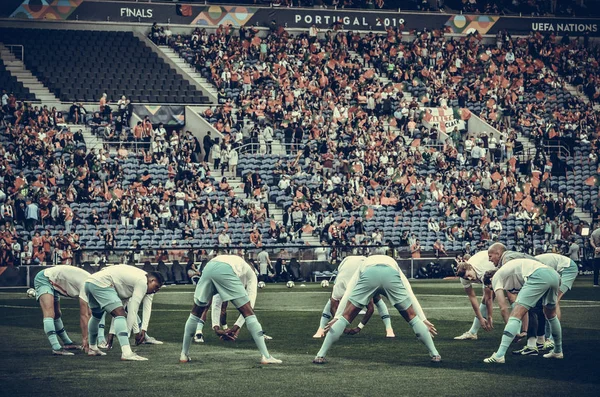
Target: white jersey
{"points": [[512, 276], [68, 281], [481, 264], [131, 284], [346, 270], [376, 260], [555, 261], [248, 278]]}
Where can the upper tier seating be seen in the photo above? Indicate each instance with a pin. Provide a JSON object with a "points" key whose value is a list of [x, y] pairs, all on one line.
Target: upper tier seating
{"points": [[80, 65]]}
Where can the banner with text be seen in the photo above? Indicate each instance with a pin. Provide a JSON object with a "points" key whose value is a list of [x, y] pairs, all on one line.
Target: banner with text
{"points": [[445, 119], [186, 14]]}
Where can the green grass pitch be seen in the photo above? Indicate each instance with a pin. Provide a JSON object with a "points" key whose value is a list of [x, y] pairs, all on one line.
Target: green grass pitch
{"points": [[362, 365]]}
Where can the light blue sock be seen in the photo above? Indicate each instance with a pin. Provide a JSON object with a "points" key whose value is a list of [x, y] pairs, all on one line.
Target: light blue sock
{"points": [[384, 313], [556, 333], [200, 326], [513, 327], [60, 331], [326, 315], [476, 324], [422, 332], [51, 333], [257, 333], [101, 337], [93, 328], [548, 331], [188, 333], [122, 334], [333, 335]]}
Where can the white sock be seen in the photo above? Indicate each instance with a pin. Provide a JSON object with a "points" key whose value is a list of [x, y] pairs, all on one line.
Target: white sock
{"points": [[541, 339], [126, 350], [531, 341]]}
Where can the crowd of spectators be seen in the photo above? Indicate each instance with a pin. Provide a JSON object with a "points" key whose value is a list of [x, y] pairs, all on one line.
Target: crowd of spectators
{"points": [[352, 130], [53, 188], [309, 89]]}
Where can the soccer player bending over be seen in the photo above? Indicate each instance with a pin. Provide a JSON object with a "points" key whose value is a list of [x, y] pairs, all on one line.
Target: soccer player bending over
{"points": [[377, 273], [533, 281], [106, 291], [224, 275], [469, 272], [346, 270], [49, 285], [567, 270]]}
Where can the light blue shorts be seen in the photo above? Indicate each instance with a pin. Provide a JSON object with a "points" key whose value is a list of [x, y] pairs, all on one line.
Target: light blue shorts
{"points": [[380, 279], [100, 298], [219, 277], [42, 285], [542, 284], [568, 276]]}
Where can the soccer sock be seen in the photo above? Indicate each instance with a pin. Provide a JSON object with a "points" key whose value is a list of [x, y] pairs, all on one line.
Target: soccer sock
{"points": [[93, 330], [60, 331], [257, 333], [333, 335], [556, 333], [384, 313], [513, 327], [101, 337], [476, 324], [548, 330], [422, 332], [326, 315], [122, 334], [188, 333], [199, 326], [51, 333]]}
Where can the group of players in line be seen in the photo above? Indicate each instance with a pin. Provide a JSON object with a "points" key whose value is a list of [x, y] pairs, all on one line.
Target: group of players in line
{"points": [[533, 285]]}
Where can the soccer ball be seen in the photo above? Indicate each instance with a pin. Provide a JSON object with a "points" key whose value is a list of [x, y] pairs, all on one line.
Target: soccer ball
{"points": [[31, 293], [324, 283], [290, 284], [261, 284]]}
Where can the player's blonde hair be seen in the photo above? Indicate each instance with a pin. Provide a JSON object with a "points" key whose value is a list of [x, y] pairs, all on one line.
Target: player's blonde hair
{"points": [[462, 269]]}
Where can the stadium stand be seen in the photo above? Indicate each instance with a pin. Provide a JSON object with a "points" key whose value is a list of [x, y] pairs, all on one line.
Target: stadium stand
{"points": [[359, 166], [116, 63], [10, 84]]}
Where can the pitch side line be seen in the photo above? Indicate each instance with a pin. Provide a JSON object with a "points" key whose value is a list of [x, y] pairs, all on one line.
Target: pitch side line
{"points": [[301, 310]]}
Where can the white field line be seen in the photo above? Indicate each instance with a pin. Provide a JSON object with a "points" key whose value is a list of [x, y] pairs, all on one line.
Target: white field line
{"points": [[468, 308]]}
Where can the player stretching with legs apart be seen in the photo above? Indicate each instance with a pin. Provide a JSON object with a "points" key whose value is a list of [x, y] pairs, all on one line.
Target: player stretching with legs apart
{"points": [[346, 270], [377, 273], [224, 275]]}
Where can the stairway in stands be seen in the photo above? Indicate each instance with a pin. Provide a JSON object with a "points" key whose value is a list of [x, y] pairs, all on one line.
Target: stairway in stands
{"points": [[16, 68]]}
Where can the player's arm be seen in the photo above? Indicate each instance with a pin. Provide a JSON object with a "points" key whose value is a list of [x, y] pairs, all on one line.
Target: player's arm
{"points": [[344, 301], [146, 311], [488, 296], [503, 303], [251, 290], [139, 293], [475, 304], [84, 318], [416, 305], [364, 321]]}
